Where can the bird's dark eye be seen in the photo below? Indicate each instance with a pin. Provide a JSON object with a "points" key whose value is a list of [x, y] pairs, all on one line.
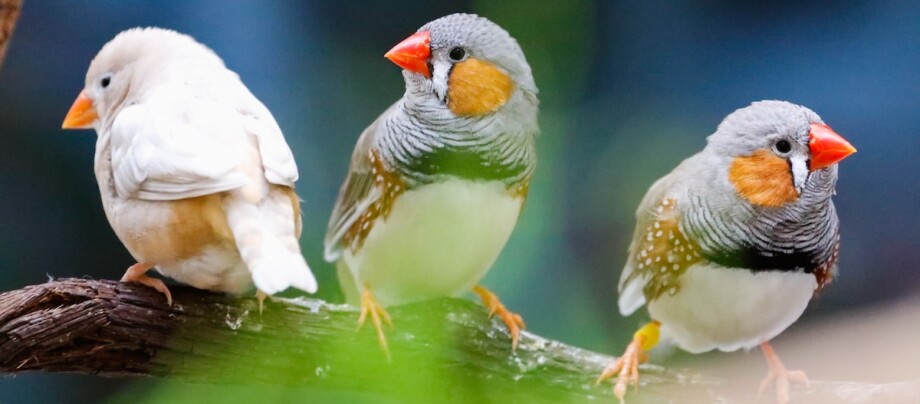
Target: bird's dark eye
{"points": [[783, 146], [106, 81], [457, 54]]}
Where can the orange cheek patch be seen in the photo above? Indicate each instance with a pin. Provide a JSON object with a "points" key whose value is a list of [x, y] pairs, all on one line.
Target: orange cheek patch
{"points": [[477, 88], [763, 179]]}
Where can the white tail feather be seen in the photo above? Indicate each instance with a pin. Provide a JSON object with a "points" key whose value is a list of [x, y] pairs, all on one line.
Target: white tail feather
{"points": [[266, 238]]}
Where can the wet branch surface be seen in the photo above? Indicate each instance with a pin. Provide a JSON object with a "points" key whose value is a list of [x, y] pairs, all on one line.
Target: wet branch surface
{"points": [[440, 349]]}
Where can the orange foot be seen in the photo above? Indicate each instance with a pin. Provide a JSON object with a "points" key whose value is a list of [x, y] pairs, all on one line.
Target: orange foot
{"points": [[138, 273], [369, 305], [626, 367], [779, 376], [513, 321]]}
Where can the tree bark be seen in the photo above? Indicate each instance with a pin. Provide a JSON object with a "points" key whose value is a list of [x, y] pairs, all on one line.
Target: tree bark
{"points": [[440, 349], [9, 14]]}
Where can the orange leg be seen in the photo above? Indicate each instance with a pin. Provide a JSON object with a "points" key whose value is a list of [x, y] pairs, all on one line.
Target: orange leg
{"points": [[379, 315], [138, 273], [513, 321], [261, 296], [626, 367], [779, 375]]}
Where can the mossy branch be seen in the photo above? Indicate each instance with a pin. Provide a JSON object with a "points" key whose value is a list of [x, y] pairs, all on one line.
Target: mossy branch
{"points": [[443, 349]]}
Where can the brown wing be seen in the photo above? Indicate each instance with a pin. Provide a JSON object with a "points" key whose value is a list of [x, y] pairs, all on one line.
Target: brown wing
{"points": [[356, 195]]}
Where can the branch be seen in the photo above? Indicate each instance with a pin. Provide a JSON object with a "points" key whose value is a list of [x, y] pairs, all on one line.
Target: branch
{"points": [[9, 13], [444, 348]]}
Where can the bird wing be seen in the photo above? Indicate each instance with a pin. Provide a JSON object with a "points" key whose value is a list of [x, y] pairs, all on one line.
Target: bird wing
{"points": [[277, 158], [178, 145], [632, 284], [357, 194]]}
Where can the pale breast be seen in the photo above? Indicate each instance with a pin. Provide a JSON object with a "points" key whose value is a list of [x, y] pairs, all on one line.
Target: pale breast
{"points": [[730, 308], [438, 240]]}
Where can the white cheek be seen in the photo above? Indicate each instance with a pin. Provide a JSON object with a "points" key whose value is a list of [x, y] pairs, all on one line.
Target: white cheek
{"points": [[799, 172], [439, 79]]}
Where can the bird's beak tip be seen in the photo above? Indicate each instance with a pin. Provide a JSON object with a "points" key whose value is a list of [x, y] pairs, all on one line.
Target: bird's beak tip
{"points": [[412, 53], [827, 147], [82, 113]]}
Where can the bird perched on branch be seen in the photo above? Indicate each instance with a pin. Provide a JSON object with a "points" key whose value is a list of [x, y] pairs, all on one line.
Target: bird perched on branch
{"points": [[437, 182], [730, 246], [195, 176]]}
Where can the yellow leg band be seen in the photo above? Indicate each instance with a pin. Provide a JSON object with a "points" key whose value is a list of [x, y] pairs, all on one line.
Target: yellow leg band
{"points": [[649, 335]]}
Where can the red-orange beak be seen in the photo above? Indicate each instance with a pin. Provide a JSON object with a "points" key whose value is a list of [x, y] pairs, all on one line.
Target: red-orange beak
{"points": [[82, 113], [827, 147], [412, 53]]}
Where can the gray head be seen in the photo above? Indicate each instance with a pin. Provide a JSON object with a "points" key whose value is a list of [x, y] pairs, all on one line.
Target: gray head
{"points": [[133, 62], [767, 141], [466, 62]]}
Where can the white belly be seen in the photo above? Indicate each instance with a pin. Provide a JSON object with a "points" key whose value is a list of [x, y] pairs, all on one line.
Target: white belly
{"points": [[729, 309], [439, 240]]}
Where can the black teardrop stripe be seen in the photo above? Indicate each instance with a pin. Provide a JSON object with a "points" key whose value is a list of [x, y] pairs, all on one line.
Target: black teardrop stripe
{"points": [[757, 260], [463, 163]]}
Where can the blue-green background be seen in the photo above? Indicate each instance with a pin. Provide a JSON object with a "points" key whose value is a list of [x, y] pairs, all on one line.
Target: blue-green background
{"points": [[627, 90]]}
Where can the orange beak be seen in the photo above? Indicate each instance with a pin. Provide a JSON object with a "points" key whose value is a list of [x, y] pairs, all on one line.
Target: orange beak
{"points": [[412, 53], [827, 147], [82, 114]]}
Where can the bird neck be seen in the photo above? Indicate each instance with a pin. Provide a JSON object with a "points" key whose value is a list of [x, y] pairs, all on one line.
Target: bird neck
{"points": [[798, 236], [427, 143]]}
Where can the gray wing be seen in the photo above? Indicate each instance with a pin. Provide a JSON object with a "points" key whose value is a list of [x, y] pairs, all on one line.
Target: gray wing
{"points": [[358, 192]]}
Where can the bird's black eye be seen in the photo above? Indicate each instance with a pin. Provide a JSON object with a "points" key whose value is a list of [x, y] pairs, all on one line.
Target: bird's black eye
{"points": [[783, 146], [457, 54], [106, 81]]}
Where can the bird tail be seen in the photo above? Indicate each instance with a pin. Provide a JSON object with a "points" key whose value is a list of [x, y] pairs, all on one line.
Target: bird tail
{"points": [[266, 237]]}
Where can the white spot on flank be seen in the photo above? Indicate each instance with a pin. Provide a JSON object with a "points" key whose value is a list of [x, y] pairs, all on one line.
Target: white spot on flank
{"points": [[648, 261], [658, 234], [657, 225]]}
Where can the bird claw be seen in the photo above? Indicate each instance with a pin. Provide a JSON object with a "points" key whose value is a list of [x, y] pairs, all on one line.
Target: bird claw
{"points": [[513, 321], [779, 376], [138, 273], [626, 368], [379, 315], [261, 296]]}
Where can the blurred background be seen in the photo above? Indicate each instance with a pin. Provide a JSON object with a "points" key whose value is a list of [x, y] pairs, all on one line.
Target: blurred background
{"points": [[627, 90]]}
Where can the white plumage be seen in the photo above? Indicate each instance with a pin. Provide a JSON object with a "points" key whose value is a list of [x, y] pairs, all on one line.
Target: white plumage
{"points": [[195, 175]]}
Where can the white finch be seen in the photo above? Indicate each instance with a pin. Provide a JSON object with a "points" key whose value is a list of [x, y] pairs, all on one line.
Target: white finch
{"points": [[195, 176]]}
